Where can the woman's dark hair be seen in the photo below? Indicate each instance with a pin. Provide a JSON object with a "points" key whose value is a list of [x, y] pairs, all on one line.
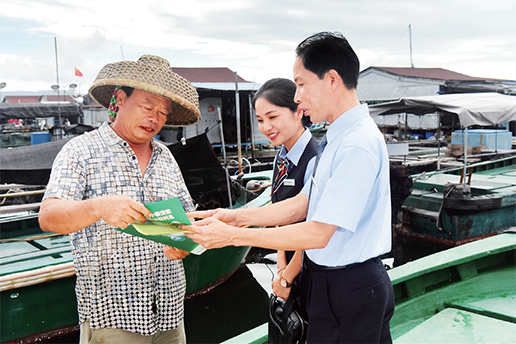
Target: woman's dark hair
{"points": [[280, 92], [327, 50]]}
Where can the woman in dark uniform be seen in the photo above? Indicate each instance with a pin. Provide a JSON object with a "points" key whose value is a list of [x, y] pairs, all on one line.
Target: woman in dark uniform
{"points": [[285, 126]]}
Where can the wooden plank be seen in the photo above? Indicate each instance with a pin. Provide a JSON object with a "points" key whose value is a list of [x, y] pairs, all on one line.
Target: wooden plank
{"points": [[55, 253], [6, 187], [19, 208], [23, 193]]}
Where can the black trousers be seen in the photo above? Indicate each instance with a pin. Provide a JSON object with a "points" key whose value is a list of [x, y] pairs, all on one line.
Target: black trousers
{"points": [[348, 305]]}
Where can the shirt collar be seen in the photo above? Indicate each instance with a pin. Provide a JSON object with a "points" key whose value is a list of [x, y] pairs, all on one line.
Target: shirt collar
{"points": [[345, 120], [297, 149], [108, 134]]}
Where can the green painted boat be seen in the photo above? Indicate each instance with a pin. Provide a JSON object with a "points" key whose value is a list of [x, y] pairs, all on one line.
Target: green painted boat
{"points": [[465, 294], [444, 208], [37, 272], [37, 281]]}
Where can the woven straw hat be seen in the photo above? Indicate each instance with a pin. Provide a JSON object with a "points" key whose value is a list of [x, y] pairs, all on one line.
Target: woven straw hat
{"points": [[152, 74]]}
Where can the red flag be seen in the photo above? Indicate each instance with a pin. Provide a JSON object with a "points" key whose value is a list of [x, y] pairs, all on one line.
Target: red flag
{"points": [[78, 72]]}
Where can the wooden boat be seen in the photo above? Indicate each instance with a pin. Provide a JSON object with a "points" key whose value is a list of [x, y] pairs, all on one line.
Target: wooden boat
{"points": [[36, 268], [448, 209], [464, 294], [36, 274]]}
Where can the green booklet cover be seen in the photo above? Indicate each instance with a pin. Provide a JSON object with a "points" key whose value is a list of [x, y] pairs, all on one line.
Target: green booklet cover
{"points": [[163, 226]]}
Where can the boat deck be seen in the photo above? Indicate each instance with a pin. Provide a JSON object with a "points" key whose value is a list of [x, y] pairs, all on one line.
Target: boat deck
{"points": [[34, 253], [500, 181], [452, 326]]}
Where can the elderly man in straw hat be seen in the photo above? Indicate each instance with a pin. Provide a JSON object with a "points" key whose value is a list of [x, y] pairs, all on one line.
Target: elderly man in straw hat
{"points": [[129, 290]]}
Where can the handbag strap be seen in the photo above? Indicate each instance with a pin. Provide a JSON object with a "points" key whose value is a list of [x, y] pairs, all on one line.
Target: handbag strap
{"points": [[287, 309], [289, 304]]}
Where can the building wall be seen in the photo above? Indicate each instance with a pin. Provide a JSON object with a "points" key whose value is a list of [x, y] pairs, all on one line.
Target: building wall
{"points": [[378, 86], [427, 122], [95, 116], [209, 116]]}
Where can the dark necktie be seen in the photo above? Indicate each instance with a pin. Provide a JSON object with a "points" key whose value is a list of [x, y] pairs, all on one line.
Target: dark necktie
{"points": [[284, 166], [320, 149]]}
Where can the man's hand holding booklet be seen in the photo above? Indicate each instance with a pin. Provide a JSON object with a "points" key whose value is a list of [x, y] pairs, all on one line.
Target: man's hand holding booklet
{"points": [[163, 226]]}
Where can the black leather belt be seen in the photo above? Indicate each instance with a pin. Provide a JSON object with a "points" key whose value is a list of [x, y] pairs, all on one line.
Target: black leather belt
{"points": [[311, 266]]}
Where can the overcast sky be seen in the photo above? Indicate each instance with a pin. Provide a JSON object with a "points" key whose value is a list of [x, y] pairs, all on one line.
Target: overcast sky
{"points": [[254, 38]]}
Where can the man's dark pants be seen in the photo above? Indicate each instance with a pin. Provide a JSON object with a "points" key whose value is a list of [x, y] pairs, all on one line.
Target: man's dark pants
{"points": [[348, 305]]}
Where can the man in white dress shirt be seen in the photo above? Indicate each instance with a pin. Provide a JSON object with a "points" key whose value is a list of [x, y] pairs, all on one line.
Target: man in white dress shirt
{"points": [[349, 296]]}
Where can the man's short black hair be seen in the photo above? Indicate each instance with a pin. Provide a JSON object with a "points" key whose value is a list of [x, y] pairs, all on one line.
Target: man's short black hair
{"points": [[330, 50], [128, 90]]}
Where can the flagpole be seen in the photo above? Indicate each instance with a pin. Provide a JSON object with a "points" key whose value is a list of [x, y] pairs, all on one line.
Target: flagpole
{"points": [[79, 74], [410, 38]]}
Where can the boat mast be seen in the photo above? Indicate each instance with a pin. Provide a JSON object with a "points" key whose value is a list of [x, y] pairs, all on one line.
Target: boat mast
{"points": [[251, 121], [465, 168], [237, 113], [223, 147]]}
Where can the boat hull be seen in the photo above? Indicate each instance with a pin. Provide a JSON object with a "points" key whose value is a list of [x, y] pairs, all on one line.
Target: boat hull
{"points": [[48, 309], [457, 227], [213, 267], [35, 311]]}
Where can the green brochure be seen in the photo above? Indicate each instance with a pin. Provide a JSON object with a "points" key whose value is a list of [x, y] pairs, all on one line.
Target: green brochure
{"points": [[163, 226]]}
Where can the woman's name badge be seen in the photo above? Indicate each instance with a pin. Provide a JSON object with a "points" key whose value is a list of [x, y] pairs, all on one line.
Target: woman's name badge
{"points": [[289, 182]]}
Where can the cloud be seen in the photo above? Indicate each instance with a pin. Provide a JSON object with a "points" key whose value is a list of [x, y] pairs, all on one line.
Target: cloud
{"points": [[255, 38]]}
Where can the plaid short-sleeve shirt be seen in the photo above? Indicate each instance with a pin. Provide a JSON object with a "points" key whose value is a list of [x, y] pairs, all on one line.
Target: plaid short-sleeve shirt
{"points": [[122, 281]]}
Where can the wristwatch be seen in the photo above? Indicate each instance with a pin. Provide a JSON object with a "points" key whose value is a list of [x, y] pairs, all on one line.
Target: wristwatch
{"points": [[284, 283]]}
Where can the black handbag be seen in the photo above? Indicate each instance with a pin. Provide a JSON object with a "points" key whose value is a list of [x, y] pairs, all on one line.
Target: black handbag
{"points": [[286, 321]]}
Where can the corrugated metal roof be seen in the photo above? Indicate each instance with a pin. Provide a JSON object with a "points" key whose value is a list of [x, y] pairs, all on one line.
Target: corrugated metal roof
{"points": [[207, 74], [427, 73], [22, 99], [92, 105], [39, 110], [62, 98], [226, 86]]}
